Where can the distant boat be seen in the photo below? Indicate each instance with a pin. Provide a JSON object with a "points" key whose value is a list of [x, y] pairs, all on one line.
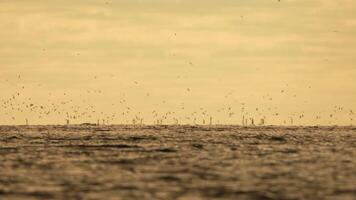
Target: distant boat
{"points": [[88, 124]]}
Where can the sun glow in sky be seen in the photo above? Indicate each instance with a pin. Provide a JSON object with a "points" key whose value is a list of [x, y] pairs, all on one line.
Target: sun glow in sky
{"points": [[178, 60]]}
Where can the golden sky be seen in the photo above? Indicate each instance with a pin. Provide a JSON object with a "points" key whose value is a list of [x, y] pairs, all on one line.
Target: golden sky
{"points": [[181, 59]]}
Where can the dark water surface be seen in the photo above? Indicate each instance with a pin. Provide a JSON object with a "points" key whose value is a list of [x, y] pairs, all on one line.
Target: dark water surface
{"points": [[177, 162]]}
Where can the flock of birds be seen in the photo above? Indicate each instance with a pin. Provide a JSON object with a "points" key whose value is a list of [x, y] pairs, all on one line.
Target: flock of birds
{"points": [[69, 110]]}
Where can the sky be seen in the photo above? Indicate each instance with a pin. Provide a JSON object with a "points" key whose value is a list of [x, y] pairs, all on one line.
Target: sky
{"points": [[179, 61]]}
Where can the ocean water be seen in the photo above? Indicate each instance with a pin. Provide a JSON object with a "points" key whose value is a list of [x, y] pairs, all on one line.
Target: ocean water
{"points": [[177, 162]]}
